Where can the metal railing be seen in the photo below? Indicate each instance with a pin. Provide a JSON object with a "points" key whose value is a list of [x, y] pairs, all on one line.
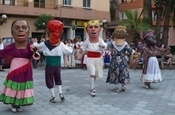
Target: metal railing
{"points": [[23, 3]]}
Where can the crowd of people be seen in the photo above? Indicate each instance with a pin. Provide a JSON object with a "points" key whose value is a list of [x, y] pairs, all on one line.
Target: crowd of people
{"points": [[94, 53]]}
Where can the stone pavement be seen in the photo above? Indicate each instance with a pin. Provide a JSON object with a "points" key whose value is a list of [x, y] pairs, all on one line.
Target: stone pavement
{"points": [[136, 100]]}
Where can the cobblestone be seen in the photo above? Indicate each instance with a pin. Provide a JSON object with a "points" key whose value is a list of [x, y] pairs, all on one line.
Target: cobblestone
{"points": [[136, 100]]}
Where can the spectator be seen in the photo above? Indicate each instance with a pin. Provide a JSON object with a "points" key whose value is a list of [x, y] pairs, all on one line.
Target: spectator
{"points": [[69, 58], [160, 58], [1, 60], [169, 59], [136, 58], [42, 57]]}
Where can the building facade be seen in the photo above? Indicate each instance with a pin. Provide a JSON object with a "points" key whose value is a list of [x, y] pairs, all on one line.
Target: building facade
{"points": [[137, 5], [73, 13]]}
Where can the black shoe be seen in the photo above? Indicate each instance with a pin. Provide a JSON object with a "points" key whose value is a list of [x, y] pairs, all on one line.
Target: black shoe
{"points": [[52, 100], [146, 85], [123, 88], [13, 108], [149, 85], [18, 108], [116, 89], [62, 97], [93, 92]]}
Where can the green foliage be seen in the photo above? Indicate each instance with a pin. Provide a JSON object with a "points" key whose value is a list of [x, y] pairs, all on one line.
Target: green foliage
{"points": [[133, 22], [41, 22]]}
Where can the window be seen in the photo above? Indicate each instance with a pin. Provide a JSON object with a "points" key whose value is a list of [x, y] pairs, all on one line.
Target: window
{"points": [[8, 2], [87, 3], [67, 2], [39, 3], [122, 16], [123, 1]]}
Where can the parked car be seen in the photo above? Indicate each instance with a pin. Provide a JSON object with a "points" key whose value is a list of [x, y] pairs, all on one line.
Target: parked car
{"points": [[7, 41]]}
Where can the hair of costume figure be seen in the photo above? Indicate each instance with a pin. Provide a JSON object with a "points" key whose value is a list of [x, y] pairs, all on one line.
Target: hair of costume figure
{"points": [[120, 32], [92, 23], [55, 27], [148, 34]]}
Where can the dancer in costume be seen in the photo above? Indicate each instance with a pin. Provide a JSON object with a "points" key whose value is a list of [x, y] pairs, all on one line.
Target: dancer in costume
{"points": [[53, 49], [118, 73], [151, 71], [93, 47], [18, 85]]}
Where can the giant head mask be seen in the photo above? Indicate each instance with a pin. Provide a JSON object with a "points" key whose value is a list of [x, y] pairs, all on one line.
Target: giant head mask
{"points": [[149, 38], [55, 28], [120, 34], [93, 28]]}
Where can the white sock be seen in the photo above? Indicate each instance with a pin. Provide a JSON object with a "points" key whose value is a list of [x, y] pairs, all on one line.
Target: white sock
{"points": [[117, 85], [59, 88], [92, 85], [52, 92]]}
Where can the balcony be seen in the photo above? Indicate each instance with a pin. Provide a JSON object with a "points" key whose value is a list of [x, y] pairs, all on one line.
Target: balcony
{"points": [[131, 5], [23, 7], [51, 7]]}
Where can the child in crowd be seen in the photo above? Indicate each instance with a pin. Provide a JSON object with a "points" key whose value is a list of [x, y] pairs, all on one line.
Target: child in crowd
{"points": [[107, 57], [136, 58]]}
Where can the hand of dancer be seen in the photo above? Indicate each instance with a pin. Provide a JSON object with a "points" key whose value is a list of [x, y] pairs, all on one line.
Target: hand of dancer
{"points": [[33, 48], [101, 46]]}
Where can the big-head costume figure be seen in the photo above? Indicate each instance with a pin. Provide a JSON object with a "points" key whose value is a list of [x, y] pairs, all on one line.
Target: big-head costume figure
{"points": [[151, 70], [93, 47], [118, 73], [53, 49]]}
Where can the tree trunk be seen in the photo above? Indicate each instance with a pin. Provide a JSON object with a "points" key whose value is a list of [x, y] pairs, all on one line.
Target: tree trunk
{"points": [[159, 12], [166, 23], [147, 11], [158, 29]]}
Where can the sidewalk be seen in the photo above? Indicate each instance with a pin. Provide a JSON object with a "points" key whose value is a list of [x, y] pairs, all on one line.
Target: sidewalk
{"points": [[136, 100]]}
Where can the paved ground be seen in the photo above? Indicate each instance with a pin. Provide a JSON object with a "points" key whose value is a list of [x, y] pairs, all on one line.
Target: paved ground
{"points": [[136, 100]]}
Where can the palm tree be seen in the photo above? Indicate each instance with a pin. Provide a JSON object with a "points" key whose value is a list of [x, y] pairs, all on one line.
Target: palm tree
{"points": [[147, 11], [41, 22], [135, 25], [159, 4], [169, 11], [113, 8]]}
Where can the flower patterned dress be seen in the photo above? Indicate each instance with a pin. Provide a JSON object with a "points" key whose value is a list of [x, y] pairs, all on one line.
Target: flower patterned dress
{"points": [[118, 70]]}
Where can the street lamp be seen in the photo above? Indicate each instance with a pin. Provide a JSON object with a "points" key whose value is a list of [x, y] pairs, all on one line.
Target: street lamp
{"points": [[3, 19], [74, 27]]}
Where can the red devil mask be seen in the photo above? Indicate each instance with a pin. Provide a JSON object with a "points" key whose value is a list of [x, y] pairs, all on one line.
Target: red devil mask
{"points": [[55, 27]]}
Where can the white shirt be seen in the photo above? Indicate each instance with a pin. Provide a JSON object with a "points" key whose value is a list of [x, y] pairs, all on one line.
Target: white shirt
{"points": [[1, 46], [88, 46], [57, 51]]}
